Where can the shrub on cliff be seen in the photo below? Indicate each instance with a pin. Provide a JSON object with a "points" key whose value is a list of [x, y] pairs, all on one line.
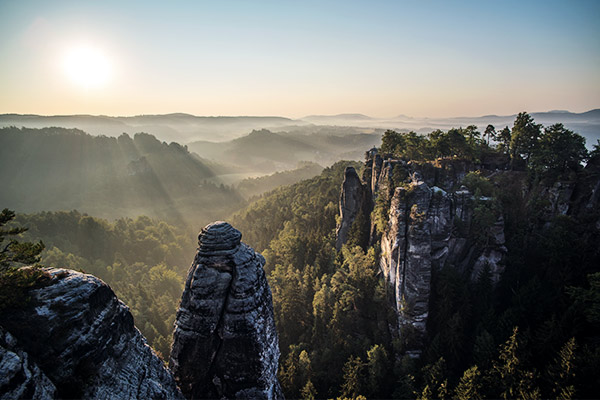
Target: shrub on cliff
{"points": [[15, 281]]}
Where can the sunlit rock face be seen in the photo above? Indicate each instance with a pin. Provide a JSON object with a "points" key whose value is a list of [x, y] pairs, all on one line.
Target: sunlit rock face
{"points": [[225, 341], [83, 340]]}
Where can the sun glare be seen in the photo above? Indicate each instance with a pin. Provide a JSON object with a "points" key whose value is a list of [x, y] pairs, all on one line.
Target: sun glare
{"points": [[87, 67]]}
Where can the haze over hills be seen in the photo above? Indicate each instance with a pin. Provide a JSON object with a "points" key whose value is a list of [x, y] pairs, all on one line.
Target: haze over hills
{"points": [[265, 151], [186, 128], [378, 200], [110, 177], [176, 127], [326, 119], [586, 123], [65, 169]]}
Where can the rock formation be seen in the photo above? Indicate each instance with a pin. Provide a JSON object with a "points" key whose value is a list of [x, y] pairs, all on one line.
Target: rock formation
{"points": [[225, 341], [352, 201], [428, 228], [77, 338], [407, 265]]}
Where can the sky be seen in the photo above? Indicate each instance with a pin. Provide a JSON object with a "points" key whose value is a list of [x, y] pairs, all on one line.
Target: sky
{"points": [[297, 58]]}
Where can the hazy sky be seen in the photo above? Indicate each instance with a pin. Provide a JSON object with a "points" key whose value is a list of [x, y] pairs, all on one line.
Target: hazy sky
{"points": [[294, 58]]}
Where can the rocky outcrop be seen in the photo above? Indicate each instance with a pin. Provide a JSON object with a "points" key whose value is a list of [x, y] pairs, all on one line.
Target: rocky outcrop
{"points": [[225, 341], [429, 228], [444, 173], [352, 201], [20, 377], [84, 341]]}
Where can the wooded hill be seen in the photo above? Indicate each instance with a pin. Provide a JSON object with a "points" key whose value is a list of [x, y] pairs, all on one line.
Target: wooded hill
{"points": [[64, 169]]}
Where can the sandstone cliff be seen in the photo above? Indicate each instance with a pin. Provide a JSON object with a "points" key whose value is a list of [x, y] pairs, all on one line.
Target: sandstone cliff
{"points": [[422, 237], [225, 341], [434, 222], [429, 227], [75, 339]]}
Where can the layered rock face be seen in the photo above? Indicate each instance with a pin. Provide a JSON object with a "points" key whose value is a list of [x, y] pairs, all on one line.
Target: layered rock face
{"points": [[407, 262], [82, 339], [225, 341]]}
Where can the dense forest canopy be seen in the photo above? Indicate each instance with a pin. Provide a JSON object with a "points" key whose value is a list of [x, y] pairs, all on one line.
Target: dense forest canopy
{"points": [[548, 152]]}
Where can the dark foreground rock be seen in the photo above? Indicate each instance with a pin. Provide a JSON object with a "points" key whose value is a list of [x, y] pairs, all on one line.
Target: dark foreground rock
{"points": [[20, 377], [77, 340], [225, 342]]}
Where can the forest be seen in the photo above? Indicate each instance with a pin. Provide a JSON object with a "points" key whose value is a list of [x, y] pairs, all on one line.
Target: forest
{"points": [[534, 334], [144, 261]]}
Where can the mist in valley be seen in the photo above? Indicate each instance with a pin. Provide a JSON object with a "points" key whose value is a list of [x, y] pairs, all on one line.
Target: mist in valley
{"points": [[349, 200]]}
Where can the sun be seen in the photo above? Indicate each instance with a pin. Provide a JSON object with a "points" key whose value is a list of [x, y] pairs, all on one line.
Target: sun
{"points": [[87, 66]]}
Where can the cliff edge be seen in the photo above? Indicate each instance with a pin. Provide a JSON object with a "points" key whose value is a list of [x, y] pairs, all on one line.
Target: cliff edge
{"points": [[75, 339]]}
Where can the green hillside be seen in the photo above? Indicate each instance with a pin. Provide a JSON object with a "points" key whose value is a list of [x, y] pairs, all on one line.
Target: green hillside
{"points": [[65, 169], [251, 187], [267, 152]]}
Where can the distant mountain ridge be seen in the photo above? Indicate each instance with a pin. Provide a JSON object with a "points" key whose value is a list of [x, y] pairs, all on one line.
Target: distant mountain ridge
{"points": [[325, 119], [266, 151], [186, 128], [178, 127]]}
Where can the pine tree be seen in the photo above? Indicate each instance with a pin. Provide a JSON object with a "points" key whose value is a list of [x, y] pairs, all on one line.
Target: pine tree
{"points": [[469, 386], [511, 380], [15, 252], [15, 282], [378, 368], [504, 136], [436, 384], [490, 132], [308, 391], [524, 138], [562, 371], [353, 377]]}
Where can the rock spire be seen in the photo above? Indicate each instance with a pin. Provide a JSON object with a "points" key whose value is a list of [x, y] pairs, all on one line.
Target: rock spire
{"points": [[225, 341]]}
